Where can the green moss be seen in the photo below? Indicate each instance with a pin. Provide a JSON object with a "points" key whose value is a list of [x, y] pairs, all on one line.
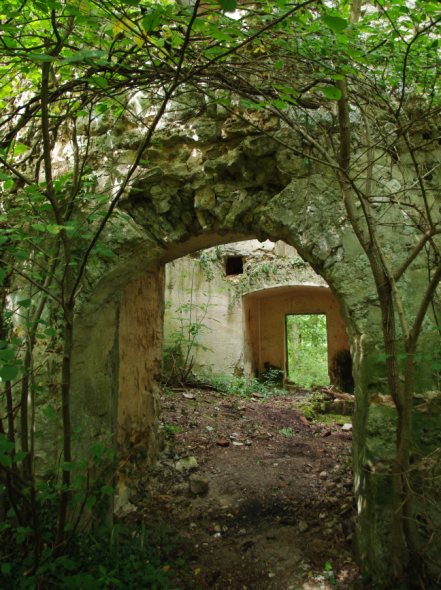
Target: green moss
{"points": [[380, 433], [333, 419]]}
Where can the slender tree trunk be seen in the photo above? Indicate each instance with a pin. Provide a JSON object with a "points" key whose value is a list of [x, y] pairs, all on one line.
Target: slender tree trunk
{"points": [[364, 229], [66, 419]]}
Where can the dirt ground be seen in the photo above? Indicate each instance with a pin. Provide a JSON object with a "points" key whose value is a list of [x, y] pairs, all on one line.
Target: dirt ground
{"points": [[261, 497]]}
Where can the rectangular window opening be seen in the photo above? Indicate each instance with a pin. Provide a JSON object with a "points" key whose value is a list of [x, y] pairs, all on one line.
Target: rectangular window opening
{"points": [[307, 349], [233, 265]]}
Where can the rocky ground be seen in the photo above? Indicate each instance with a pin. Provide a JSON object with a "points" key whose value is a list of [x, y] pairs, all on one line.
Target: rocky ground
{"points": [[260, 496]]}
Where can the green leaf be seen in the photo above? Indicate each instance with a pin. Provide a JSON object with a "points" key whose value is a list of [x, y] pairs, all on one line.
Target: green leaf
{"points": [[152, 20], [99, 81], [84, 55], [41, 57], [20, 456], [20, 148], [101, 107], [228, 5], [66, 563], [6, 354], [39, 227], [50, 332], [8, 372], [25, 303], [331, 92], [54, 229], [107, 490], [335, 23], [50, 413], [6, 569], [6, 446], [91, 501], [68, 465]]}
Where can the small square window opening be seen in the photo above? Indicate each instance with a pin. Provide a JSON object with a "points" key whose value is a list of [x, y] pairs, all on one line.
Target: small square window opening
{"points": [[234, 265]]}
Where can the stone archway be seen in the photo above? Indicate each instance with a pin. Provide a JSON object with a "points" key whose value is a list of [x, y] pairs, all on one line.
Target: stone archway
{"points": [[213, 181]]}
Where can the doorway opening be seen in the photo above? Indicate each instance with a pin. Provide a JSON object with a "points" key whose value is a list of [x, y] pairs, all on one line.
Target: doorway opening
{"points": [[242, 463], [306, 345]]}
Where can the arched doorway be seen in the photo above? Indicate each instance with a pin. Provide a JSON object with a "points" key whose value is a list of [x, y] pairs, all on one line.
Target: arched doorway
{"points": [[265, 325], [240, 186]]}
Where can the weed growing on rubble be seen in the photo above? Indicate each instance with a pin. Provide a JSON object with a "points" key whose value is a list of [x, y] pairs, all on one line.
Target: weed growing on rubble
{"points": [[244, 387]]}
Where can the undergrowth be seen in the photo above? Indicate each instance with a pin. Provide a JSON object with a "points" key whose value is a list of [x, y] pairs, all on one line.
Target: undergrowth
{"points": [[240, 386], [118, 557]]}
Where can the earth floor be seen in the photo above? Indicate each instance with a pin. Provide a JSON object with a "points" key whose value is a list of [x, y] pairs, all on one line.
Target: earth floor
{"points": [[261, 498]]}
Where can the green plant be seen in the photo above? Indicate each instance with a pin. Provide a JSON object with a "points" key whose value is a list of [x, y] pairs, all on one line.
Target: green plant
{"points": [[272, 377], [182, 345], [170, 430], [286, 432], [329, 574], [243, 386], [313, 405], [111, 558]]}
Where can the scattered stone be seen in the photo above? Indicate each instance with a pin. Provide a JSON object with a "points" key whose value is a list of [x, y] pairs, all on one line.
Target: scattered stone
{"points": [[346, 427], [210, 496], [247, 546], [303, 526], [189, 395], [256, 395], [186, 464], [199, 486]]}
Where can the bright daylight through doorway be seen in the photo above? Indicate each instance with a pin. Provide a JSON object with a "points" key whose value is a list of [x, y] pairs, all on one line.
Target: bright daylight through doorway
{"points": [[307, 349]]}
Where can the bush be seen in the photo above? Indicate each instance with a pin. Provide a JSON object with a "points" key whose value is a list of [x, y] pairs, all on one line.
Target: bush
{"points": [[119, 557]]}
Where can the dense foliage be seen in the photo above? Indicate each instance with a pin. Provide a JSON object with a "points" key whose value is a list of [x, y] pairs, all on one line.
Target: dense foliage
{"points": [[65, 66]]}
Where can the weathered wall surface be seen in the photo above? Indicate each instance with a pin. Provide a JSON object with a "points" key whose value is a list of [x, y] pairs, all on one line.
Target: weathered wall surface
{"points": [[209, 304], [140, 334], [200, 295], [212, 180]]}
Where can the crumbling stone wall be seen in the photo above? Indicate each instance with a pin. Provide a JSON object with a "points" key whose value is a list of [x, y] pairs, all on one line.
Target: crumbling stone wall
{"points": [[212, 180]]}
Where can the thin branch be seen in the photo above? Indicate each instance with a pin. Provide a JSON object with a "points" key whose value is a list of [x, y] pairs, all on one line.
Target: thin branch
{"points": [[39, 286], [423, 241]]}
